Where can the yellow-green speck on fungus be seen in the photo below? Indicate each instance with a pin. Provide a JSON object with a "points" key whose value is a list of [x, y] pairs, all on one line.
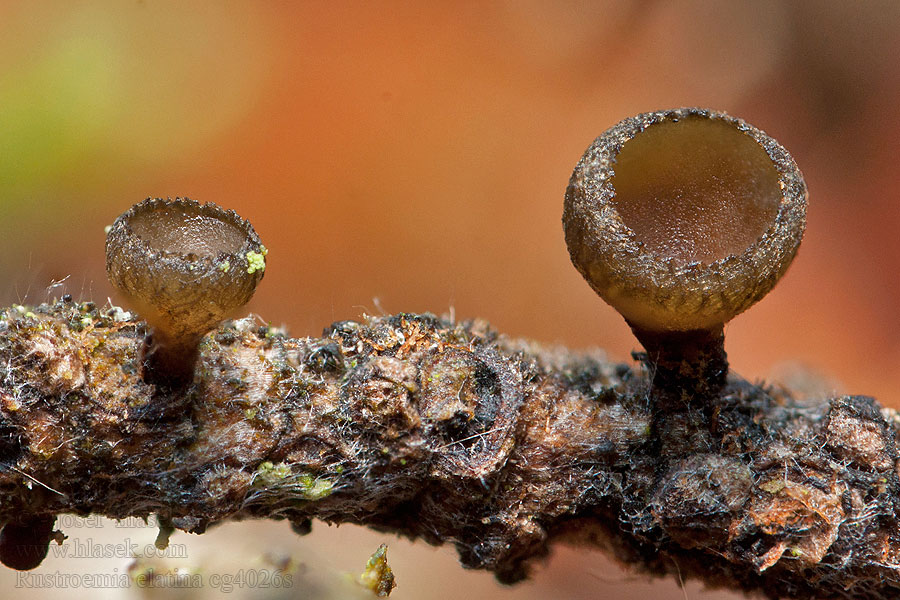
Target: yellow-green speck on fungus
{"points": [[256, 261]]}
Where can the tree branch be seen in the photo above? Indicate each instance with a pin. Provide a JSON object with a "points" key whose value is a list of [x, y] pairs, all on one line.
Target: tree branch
{"points": [[450, 433]]}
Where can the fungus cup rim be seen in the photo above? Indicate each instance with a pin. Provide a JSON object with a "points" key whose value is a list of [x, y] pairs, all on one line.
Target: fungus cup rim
{"points": [[121, 228]]}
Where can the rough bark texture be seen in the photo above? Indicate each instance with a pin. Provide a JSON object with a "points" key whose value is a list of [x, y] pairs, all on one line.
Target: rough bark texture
{"points": [[450, 433]]}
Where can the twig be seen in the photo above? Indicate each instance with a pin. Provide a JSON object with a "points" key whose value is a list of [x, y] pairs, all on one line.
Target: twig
{"points": [[450, 433]]}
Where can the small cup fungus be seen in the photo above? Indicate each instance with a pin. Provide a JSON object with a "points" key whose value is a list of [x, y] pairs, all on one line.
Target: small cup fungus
{"points": [[682, 219], [184, 267]]}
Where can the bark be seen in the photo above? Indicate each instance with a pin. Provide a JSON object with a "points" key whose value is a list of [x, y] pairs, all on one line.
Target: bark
{"points": [[450, 433]]}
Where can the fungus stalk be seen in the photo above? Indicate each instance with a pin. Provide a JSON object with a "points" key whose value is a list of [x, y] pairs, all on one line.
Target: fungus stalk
{"points": [[681, 220], [184, 267]]}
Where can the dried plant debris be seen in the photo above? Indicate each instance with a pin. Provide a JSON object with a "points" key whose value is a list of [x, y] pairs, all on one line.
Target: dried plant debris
{"points": [[378, 575], [451, 433]]}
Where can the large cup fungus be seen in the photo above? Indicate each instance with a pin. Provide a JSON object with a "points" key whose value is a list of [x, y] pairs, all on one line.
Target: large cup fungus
{"points": [[682, 219]]}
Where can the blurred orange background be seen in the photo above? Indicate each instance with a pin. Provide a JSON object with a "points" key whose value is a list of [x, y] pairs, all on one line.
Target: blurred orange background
{"points": [[413, 157]]}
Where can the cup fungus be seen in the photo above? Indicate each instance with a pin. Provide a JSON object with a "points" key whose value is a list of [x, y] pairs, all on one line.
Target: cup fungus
{"points": [[184, 267], [682, 219]]}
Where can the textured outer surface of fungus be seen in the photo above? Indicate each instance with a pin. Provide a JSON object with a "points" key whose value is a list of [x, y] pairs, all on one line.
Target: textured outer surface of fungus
{"points": [[684, 289], [451, 433]]}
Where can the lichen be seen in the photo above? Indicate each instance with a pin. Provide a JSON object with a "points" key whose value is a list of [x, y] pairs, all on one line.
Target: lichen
{"points": [[303, 486], [268, 473], [256, 261]]}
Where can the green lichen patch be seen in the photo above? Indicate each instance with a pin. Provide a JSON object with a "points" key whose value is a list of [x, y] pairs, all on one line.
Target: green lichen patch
{"points": [[268, 474], [303, 486], [256, 261]]}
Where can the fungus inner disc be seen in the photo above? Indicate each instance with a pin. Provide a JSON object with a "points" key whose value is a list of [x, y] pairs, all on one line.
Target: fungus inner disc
{"points": [[187, 230], [695, 190]]}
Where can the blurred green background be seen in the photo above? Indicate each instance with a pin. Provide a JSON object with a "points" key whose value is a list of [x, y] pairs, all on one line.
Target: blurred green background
{"points": [[413, 157]]}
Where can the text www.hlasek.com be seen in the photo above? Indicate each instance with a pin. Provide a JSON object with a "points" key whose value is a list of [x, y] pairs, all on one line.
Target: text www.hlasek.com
{"points": [[77, 548]]}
